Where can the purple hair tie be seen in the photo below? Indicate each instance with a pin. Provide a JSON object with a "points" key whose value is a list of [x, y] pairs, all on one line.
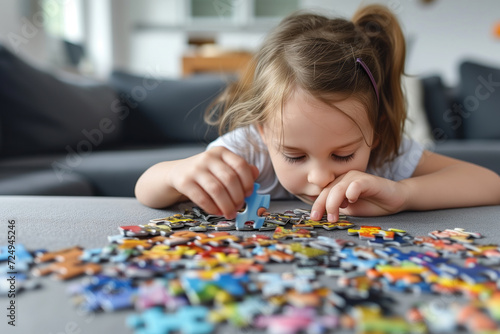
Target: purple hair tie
{"points": [[372, 79]]}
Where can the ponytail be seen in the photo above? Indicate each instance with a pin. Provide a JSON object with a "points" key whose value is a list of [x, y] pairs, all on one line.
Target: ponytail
{"points": [[382, 29]]}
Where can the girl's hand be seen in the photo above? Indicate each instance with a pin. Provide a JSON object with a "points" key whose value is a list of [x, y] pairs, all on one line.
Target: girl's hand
{"points": [[360, 194], [217, 180]]}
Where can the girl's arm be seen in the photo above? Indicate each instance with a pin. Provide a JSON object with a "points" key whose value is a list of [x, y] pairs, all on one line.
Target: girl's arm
{"points": [[217, 180], [441, 182], [438, 182], [153, 189]]}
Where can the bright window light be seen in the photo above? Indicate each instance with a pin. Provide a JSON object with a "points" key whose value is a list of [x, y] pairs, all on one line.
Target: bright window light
{"points": [[64, 19]]}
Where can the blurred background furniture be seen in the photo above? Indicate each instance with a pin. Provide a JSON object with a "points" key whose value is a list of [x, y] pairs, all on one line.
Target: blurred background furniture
{"points": [[224, 62]]}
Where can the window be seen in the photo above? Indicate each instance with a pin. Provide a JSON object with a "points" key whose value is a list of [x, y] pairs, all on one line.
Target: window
{"points": [[64, 19], [274, 8]]}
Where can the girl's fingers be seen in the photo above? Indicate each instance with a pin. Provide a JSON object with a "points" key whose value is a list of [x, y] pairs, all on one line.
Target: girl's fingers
{"points": [[198, 195], [218, 194], [346, 190], [246, 173], [230, 179], [334, 201], [337, 197], [319, 205], [354, 190]]}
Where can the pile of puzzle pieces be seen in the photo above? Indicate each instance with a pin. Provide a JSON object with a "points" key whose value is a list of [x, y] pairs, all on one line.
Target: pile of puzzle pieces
{"points": [[188, 273]]}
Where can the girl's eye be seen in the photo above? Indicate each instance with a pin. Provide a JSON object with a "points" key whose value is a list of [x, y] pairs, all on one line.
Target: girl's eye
{"points": [[345, 158], [293, 159]]}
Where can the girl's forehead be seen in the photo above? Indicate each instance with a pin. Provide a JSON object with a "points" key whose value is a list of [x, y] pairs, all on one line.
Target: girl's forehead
{"points": [[301, 103], [341, 119]]}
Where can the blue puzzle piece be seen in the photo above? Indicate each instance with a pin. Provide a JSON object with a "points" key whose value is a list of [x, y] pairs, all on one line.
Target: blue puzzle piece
{"points": [[254, 203], [103, 292], [473, 275], [398, 241], [198, 289], [350, 259], [188, 320], [398, 256], [20, 256]]}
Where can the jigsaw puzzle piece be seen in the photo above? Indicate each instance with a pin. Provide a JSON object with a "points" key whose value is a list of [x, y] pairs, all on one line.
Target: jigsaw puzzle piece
{"points": [[15, 283], [350, 258], [68, 269], [330, 244], [187, 320], [201, 289], [145, 230], [310, 224], [370, 319], [239, 314], [398, 241], [104, 292], [19, 255], [254, 202], [295, 234], [153, 293], [298, 320], [175, 221], [371, 232], [457, 234]]}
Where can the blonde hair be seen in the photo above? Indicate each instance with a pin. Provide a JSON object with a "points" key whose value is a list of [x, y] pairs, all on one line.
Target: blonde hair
{"points": [[318, 54]]}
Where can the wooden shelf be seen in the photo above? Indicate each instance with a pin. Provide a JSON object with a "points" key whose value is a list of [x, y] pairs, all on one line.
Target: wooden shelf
{"points": [[231, 62]]}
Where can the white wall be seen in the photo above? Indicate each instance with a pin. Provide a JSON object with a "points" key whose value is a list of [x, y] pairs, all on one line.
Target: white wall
{"points": [[442, 33], [21, 30], [448, 31]]}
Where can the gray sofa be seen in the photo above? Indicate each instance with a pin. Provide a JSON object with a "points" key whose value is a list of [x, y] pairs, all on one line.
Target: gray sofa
{"points": [[60, 136], [75, 136], [465, 119]]}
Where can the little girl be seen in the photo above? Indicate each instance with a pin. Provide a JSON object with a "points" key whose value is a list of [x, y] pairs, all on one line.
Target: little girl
{"points": [[322, 120]]}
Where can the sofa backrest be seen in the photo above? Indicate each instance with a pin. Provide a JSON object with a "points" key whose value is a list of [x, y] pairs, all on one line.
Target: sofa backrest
{"points": [[41, 113], [159, 110], [479, 100], [44, 113], [471, 110]]}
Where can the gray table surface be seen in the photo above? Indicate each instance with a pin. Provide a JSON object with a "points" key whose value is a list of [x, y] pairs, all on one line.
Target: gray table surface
{"points": [[52, 223]]}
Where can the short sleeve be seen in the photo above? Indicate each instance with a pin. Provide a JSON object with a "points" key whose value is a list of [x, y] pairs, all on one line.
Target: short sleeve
{"points": [[404, 165]]}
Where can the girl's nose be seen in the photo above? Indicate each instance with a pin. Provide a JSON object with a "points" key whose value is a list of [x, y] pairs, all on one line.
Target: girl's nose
{"points": [[320, 176]]}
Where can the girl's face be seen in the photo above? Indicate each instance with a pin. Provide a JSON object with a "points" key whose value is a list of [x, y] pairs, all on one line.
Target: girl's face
{"points": [[312, 143]]}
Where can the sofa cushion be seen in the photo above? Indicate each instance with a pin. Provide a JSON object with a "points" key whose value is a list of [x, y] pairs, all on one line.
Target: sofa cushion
{"points": [[161, 110], [480, 95], [481, 152], [107, 172], [42, 113], [42, 182], [444, 121], [115, 172]]}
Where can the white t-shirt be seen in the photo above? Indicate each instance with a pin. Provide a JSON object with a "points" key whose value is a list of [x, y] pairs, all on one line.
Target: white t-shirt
{"points": [[255, 153]]}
